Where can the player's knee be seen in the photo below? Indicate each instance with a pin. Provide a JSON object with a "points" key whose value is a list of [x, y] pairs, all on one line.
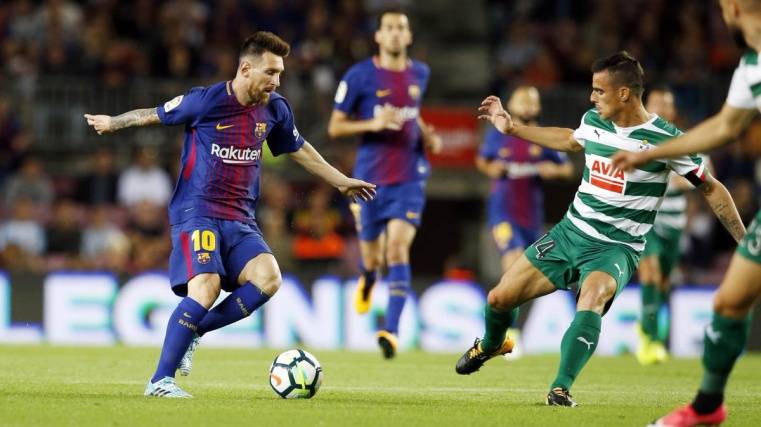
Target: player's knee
{"points": [[594, 297], [499, 301], [397, 251], [731, 307], [270, 282], [204, 289]]}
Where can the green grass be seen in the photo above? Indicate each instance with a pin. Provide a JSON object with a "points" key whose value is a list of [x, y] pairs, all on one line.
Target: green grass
{"points": [[45, 385]]}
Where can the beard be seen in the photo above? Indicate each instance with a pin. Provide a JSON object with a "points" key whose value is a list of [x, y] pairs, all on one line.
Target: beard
{"points": [[528, 119], [738, 37]]}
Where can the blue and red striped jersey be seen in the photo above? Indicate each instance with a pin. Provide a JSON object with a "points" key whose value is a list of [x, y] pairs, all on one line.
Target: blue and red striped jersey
{"points": [[386, 157], [518, 196], [221, 156]]}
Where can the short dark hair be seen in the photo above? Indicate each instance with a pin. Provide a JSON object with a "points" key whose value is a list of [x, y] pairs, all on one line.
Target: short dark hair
{"points": [[392, 10], [264, 41], [625, 70]]}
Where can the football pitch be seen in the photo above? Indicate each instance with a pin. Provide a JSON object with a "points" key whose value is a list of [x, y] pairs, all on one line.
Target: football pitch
{"points": [[45, 385]]}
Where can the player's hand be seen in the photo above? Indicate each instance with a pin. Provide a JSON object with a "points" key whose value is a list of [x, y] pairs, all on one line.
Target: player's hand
{"points": [[387, 119], [433, 142], [546, 170], [496, 169], [628, 160], [356, 189], [101, 123], [491, 109]]}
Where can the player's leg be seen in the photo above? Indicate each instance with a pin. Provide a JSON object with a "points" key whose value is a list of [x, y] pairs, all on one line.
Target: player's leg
{"points": [[724, 341], [254, 276], [370, 231], [399, 237], [581, 338], [650, 277], [203, 290], [521, 283], [371, 252]]}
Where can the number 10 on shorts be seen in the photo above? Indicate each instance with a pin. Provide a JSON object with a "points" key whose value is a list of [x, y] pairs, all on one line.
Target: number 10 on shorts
{"points": [[203, 239]]}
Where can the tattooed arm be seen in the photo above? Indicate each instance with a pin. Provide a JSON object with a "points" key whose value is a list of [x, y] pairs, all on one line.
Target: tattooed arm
{"points": [[105, 124], [723, 206]]}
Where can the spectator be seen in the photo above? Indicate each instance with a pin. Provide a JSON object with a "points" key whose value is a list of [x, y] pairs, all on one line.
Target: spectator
{"points": [[104, 245], [22, 238], [145, 180], [148, 236], [64, 236], [29, 182], [100, 185]]}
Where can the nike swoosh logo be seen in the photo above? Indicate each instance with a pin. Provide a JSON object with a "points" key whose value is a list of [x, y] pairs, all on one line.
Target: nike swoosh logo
{"points": [[220, 126], [381, 93], [187, 315]]}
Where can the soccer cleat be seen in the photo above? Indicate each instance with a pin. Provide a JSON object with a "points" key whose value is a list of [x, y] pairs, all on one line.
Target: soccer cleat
{"points": [[560, 397], [363, 295], [166, 387], [388, 343], [687, 417], [186, 363], [474, 358], [645, 351], [660, 353]]}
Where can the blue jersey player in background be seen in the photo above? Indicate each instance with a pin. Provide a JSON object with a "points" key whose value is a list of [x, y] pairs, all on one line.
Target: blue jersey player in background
{"points": [[517, 168], [216, 244], [379, 99]]}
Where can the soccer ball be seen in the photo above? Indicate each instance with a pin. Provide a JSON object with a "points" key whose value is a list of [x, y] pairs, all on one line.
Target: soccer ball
{"points": [[295, 374]]}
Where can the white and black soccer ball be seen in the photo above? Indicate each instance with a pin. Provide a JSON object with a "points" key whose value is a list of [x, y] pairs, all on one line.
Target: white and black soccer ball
{"points": [[295, 374]]}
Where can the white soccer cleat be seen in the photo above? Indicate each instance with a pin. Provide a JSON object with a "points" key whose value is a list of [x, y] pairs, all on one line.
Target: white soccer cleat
{"points": [[166, 387], [186, 363]]}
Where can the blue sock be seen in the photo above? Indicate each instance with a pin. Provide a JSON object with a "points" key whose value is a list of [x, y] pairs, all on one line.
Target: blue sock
{"points": [[398, 287], [183, 324], [238, 305]]}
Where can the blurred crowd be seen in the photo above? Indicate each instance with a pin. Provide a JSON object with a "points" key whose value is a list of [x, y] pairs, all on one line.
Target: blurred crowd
{"points": [[108, 211]]}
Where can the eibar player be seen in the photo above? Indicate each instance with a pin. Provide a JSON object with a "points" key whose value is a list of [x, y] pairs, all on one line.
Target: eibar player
{"points": [[661, 252], [216, 243], [380, 98], [517, 167], [727, 334], [599, 241]]}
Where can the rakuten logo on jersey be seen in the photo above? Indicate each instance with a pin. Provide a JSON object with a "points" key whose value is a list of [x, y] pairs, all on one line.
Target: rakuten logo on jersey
{"points": [[235, 155], [605, 176], [404, 113]]}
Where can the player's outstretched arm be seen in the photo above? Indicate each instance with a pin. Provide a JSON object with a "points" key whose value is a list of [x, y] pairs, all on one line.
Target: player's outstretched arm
{"points": [[560, 139], [719, 129], [723, 206], [341, 124], [312, 161], [105, 124]]}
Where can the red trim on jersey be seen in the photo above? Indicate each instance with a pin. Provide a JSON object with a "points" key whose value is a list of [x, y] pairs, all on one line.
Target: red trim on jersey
{"points": [[606, 184], [191, 158], [185, 242]]}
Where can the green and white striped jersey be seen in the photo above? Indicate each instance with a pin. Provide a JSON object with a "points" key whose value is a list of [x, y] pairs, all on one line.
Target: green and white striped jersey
{"points": [[745, 89], [672, 216], [616, 206]]}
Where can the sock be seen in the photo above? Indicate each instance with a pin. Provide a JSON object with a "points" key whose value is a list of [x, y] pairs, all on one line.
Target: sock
{"points": [[650, 306], [496, 324], [579, 342], [238, 305], [705, 403], [399, 285], [369, 276], [664, 316], [183, 324], [723, 343]]}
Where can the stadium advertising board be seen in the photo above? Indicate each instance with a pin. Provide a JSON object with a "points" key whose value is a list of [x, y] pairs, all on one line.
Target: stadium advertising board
{"points": [[92, 309]]}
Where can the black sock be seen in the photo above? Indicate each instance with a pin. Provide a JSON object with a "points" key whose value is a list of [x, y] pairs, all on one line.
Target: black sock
{"points": [[706, 403]]}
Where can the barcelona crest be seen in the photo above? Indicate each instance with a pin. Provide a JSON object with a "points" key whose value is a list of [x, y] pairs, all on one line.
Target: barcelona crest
{"points": [[204, 258], [260, 130]]}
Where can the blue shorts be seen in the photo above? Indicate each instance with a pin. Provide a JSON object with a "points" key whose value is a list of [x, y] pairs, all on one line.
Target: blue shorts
{"points": [[211, 245], [509, 236], [404, 201]]}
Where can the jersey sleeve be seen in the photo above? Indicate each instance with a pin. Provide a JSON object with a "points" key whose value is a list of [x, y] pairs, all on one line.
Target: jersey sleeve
{"points": [[692, 167], [284, 137], [183, 109], [581, 132], [348, 91], [492, 143], [740, 94]]}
